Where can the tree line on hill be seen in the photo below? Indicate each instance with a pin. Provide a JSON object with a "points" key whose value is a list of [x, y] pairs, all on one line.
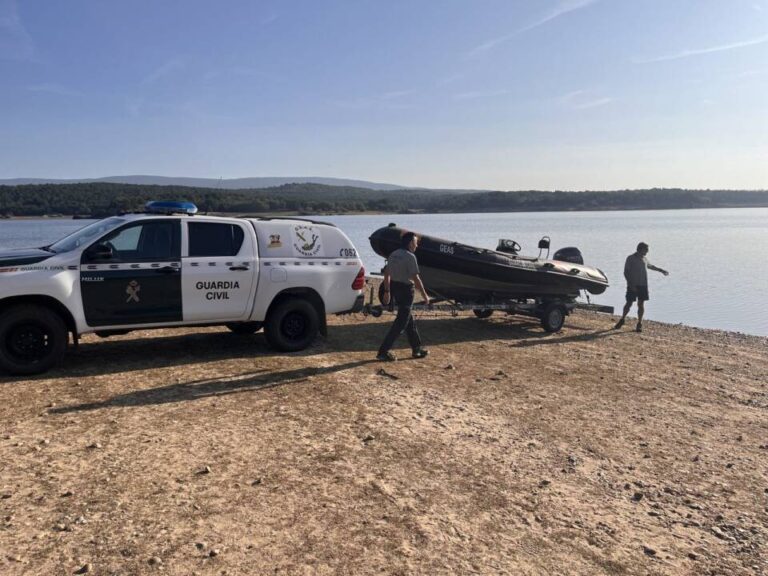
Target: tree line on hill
{"points": [[103, 199]]}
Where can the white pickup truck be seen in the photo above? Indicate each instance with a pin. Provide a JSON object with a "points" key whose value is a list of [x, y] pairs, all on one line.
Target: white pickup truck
{"points": [[170, 267]]}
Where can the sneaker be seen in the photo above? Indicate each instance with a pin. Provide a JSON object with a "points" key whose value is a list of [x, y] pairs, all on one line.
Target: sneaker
{"points": [[420, 353], [619, 324], [639, 327], [388, 357]]}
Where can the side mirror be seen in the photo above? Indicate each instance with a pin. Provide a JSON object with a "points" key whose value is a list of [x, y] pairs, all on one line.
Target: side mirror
{"points": [[100, 252]]}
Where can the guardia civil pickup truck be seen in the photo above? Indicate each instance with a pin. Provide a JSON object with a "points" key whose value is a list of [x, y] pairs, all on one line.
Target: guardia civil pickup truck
{"points": [[169, 267]]}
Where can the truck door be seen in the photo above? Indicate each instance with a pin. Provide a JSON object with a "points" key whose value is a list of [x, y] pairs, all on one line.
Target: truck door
{"points": [[219, 269], [133, 275]]}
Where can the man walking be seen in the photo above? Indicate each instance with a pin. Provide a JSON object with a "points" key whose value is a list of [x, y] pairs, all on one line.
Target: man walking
{"points": [[401, 274], [635, 271]]}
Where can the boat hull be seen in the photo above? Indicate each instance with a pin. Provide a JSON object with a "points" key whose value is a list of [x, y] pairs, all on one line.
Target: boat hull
{"points": [[460, 272]]}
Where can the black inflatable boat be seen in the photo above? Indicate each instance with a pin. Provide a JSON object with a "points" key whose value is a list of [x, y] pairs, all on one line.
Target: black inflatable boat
{"points": [[454, 271]]}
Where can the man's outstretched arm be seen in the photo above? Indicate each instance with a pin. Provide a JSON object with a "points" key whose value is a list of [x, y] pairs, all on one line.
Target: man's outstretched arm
{"points": [[657, 269]]}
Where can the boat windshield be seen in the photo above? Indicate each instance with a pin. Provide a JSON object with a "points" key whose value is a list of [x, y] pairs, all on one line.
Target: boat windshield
{"points": [[85, 235]]}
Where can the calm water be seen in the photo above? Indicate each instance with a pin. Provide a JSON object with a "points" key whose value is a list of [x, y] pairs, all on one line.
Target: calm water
{"points": [[716, 258]]}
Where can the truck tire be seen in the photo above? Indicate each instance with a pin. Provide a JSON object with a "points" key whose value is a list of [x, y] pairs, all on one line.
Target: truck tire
{"points": [[33, 339], [483, 312], [292, 325], [553, 317], [245, 327]]}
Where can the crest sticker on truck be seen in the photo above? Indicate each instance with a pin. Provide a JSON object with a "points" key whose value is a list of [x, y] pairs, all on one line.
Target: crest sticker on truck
{"points": [[306, 241], [133, 291]]}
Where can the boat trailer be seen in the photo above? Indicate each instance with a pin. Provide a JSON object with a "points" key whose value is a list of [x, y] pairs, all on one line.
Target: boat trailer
{"points": [[551, 311]]}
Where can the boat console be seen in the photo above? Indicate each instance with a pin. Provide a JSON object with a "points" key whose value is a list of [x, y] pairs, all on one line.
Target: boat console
{"points": [[508, 246]]}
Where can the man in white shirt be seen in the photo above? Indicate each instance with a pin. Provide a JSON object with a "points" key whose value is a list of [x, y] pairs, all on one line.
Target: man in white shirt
{"points": [[401, 275]]}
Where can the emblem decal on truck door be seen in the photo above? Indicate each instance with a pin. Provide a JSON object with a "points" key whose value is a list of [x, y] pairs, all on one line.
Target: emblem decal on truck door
{"points": [[133, 291], [306, 241]]}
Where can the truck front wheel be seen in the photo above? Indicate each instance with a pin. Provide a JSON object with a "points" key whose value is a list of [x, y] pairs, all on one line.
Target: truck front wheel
{"points": [[33, 339], [292, 325]]}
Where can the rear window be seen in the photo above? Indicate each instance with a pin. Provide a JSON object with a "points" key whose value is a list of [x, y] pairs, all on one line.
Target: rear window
{"points": [[214, 239]]}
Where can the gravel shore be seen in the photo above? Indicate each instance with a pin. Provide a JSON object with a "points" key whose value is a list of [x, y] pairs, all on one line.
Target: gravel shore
{"points": [[506, 451]]}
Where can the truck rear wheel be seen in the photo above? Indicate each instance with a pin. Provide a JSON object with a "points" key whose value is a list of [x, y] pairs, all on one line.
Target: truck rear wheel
{"points": [[292, 325], [553, 317], [33, 339]]}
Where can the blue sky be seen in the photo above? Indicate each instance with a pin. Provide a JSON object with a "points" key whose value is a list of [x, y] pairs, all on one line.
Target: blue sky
{"points": [[493, 94]]}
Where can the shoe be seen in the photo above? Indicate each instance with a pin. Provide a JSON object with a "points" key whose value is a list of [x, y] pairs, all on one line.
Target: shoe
{"points": [[619, 324], [639, 328], [420, 353], [388, 357]]}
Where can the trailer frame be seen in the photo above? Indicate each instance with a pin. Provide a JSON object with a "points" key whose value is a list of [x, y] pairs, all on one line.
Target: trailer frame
{"points": [[550, 310]]}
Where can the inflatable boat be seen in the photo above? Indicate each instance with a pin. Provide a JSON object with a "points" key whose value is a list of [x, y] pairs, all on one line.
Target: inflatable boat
{"points": [[462, 273]]}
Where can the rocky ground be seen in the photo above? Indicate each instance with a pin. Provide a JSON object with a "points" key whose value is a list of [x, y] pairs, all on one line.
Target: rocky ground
{"points": [[507, 451]]}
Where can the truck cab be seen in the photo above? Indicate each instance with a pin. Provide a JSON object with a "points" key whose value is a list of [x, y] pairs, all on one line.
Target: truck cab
{"points": [[169, 266]]}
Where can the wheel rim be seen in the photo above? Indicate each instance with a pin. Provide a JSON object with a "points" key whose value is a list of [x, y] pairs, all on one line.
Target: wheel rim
{"points": [[28, 342], [294, 326], [555, 318]]}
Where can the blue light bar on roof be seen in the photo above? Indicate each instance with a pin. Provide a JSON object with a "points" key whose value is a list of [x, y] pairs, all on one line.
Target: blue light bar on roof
{"points": [[170, 207]]}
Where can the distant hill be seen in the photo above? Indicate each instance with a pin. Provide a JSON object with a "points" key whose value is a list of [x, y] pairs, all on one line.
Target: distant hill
{"points": [[108, 198], [221, 184]]}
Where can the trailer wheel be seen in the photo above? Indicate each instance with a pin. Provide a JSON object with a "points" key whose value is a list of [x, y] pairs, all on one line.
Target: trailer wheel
{"points": [[292, 325], [33, 339], [482, 312], [244, 327], [553, 317]]}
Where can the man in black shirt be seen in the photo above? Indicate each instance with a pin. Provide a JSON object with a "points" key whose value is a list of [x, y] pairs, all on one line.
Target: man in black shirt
{"points": [[637, 283]]}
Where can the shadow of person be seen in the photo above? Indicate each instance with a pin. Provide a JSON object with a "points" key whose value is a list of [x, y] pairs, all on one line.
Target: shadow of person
{"points": [[198, 389], [565, 339], [434, 331]]}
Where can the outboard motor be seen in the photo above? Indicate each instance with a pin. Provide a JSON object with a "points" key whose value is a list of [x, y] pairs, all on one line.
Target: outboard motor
{"points": [[570, 254]]}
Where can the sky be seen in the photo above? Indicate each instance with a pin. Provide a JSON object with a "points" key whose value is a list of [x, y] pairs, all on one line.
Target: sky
{"points": [[483, 94]]}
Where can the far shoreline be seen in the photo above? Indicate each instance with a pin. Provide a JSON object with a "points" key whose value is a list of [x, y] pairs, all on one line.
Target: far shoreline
{"points": [[297, 214]]}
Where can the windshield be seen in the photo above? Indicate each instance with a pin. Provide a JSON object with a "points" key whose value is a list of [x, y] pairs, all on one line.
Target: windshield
{"points": [[85, 235]]}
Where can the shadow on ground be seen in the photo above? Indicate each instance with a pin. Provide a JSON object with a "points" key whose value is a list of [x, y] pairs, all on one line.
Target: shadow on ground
{"points": [[558, 339], [197, 389], [101, 357]]}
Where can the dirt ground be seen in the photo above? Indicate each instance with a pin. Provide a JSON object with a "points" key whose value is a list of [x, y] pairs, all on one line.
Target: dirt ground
{"points": [[506, 451]]}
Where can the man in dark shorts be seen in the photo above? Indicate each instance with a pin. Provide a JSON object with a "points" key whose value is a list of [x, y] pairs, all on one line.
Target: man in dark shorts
{"points": [[635, 271], [401, 275]]}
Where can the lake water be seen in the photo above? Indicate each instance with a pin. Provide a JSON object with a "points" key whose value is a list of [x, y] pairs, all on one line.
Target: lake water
{"points": [[716, 258]]}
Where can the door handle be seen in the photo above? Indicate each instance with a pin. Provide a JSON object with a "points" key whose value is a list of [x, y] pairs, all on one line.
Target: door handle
{"points": [[238, 268], [167, 270]]}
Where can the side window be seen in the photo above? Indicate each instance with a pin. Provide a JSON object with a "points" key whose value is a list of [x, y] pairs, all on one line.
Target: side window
{"points": [[156, 240], [128, 239], [160, 241], [214, 239]]}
